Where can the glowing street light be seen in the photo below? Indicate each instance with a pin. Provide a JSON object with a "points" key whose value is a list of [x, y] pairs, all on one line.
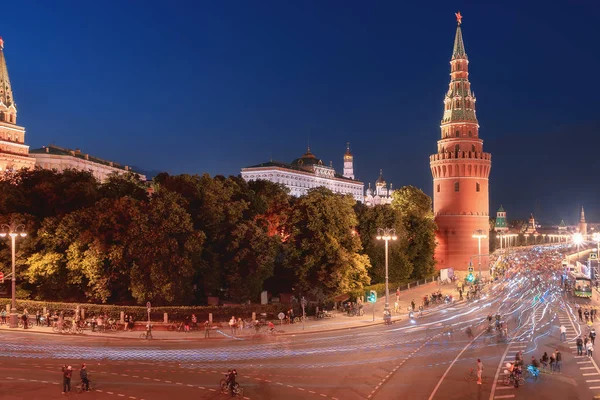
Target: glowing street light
{"points": [[13, 232], [479, 234], [386, 234], [578, 239]]}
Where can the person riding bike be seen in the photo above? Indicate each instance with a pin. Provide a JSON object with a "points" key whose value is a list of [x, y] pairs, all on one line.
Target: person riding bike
{"points": [[534, 367], [231, 374]]}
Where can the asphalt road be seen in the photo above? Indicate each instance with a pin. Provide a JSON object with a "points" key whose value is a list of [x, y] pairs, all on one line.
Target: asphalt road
{"points": [[425, 359]]}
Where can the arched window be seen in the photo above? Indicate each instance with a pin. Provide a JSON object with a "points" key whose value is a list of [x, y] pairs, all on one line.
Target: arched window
{"points": [[457, 148], [456, 186], [473, 148], [470, 134], [438, 188], [457, 134], [477, 188]]}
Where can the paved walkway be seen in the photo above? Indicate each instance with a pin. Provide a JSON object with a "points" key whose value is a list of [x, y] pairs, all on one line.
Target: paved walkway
{"points": [[311, 325]]}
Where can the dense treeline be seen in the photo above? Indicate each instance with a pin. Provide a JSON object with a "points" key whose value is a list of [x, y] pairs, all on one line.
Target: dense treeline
{"points": [[198, 236]]}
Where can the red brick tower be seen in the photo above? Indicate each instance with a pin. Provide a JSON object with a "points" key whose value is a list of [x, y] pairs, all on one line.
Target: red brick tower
{"points": [[460, 172]]}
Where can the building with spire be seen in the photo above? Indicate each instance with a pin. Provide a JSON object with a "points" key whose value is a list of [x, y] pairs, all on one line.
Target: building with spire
{"points": [[14, 153], [460, 170], [381, 195], [501, 225], [308, 172], [348, 163], [582, 227]]}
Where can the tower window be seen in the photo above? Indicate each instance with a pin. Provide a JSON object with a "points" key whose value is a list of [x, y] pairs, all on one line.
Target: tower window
{"points": [[456, 148], [438, 188], [473, 148], [456, 186], [477, 188], [457, 134], [470, 134]]}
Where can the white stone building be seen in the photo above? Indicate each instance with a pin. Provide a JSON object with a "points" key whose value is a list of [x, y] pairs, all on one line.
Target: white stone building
{"points": [[308, 172], [381, 195], [60, 159]]}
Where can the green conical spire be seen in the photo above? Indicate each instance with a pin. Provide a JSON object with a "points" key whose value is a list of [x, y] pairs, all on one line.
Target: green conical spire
{"points": [[459, 47]]}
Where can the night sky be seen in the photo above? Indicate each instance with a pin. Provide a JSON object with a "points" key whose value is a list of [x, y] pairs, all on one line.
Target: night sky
{"points": [[199, 86]]}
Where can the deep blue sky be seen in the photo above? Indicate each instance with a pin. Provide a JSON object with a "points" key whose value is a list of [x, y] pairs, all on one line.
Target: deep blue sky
{"points": [[213, 86]]}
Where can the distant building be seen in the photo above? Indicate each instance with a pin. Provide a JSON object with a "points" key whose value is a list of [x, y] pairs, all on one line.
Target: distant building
{"points": [[531, 228], [582, 227], [501, 225], [308, 172], [562, 227], [60, 159], [14, 153], [381, 195]]}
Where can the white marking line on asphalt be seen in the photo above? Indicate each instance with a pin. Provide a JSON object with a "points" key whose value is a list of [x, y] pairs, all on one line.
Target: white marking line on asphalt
{"points": [[505, 387], [506, 396], [594, 387], [454, 361], [592, 374], [586, 367], [593, 380], [583, 362]]}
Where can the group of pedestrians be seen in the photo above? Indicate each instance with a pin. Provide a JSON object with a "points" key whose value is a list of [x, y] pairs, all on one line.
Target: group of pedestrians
{"points": [[67, 372], [586, 344], [589, 314]]}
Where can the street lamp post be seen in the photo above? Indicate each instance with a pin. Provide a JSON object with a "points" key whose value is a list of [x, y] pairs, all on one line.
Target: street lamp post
{"points": [[13, 232], [578, 239], [386, 234], [479, 234]]}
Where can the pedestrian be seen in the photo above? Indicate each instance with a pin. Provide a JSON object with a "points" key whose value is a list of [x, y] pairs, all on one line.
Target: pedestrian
{"points": [[563, 333], [38, 318], [412, 304], [3, 316], [479, 371], [398, 294], [580, 314], [25, 318], [558, 360], [186, 324], [207, 329], [589, 349], [194, 322], [233, 325], [593, 336], [552, 362], [579, 346], [586, 314], [396, 307], [460, 292], [67, 373], [48, 319], [126, 320], [84, 378], [544, 360]]}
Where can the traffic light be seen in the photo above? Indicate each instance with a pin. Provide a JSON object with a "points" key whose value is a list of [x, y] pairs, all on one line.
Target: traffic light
{"points": [[372, 298], [470, 277]]}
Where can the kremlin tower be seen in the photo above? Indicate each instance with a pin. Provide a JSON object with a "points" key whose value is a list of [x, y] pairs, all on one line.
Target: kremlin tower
{"points": [[14, 153], [460, 172]]}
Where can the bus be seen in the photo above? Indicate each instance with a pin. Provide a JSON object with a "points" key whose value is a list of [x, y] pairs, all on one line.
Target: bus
{"points": [[580, 284]]}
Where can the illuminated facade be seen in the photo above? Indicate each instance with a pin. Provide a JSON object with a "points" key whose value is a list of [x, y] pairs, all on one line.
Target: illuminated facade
{"points": [[60, 159], [582, 227], [308, 172], [460, 170], [14, 153], [381, 195], [501, 224]]}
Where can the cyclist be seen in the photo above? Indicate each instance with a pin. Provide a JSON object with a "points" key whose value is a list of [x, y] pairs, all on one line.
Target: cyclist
{"points": [[271, 327], [85, 382], [231, 374]]}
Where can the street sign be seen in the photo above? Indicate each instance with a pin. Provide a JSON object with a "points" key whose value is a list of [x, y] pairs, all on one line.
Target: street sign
{"points": [[148, 305], [470, 269], [593, 256], [372, 297], [281, 315]]}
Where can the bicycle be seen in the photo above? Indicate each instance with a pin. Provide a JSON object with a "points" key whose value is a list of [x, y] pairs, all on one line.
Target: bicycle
{"points": [[237, 390], [512, 378], [471, 376], [81, 386], [146, 335]]}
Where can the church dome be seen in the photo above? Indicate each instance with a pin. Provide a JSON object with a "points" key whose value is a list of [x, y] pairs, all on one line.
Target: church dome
{"points": [[307, 159], [380, 181]]}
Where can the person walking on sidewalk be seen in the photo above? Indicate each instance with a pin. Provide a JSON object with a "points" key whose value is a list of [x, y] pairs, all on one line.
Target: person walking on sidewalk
{"points": [[552, 362], [580, 315], [412, 304], [207, 329], [479, 371], [67, 373], [563, 333], [38, 318], [579, 346], [558, 360], [593, 336], [589, 349], [586, 314], [398, 294], [396, 307]]}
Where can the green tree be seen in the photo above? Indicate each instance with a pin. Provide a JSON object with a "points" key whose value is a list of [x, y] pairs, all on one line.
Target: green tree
{"points": [[417, 217], [322, 250]]}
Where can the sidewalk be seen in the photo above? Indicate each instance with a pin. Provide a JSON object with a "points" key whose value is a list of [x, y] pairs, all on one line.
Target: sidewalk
{"points": [[341, 321]]}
